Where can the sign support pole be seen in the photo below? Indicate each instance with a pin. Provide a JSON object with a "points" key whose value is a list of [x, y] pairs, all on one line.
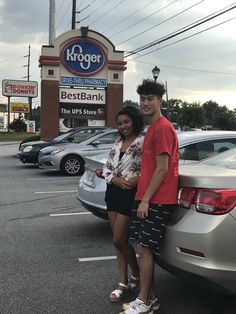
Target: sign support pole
{"points": [[30, 108], [8, 113]]}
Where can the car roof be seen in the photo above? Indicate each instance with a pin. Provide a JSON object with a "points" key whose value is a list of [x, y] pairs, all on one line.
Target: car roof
{"points": [[197, 136], [69, 146], [185, 138]]}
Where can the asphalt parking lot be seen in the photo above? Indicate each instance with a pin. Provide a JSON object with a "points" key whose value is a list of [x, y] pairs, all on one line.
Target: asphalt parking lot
{"points": [[58, 258]]}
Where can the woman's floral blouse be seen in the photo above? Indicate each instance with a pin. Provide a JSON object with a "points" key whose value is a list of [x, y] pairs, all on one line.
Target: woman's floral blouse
{"points": [[129, 165]]}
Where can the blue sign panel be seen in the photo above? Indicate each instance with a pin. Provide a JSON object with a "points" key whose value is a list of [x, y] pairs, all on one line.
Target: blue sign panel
{"points": [[83, 81], [83, 57]]}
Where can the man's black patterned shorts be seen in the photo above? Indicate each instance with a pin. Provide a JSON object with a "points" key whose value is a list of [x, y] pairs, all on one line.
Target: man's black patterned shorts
{"points": [[149, 232]]}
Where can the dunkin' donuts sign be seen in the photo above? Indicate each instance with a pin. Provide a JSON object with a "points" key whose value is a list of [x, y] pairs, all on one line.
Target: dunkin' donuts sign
{"points": [[83, 57]]}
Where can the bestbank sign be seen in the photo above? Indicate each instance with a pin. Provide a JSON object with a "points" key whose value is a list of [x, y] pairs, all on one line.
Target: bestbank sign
{"points": [[82, 96], [83, 57]]}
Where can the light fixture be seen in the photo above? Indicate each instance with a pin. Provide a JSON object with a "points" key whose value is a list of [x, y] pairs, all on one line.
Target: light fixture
{"points": [[155, 73]]}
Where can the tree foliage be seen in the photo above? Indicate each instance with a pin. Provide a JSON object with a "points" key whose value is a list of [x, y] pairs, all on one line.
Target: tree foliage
{"points": [[130, 103], [194, 115], [18, 125]]}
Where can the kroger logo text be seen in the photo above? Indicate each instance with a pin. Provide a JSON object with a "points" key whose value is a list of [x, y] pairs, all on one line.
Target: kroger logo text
{"points": [[83, 58]]}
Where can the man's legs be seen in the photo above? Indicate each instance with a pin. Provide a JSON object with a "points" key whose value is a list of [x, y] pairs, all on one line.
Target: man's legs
{"points": [[146, 259]]}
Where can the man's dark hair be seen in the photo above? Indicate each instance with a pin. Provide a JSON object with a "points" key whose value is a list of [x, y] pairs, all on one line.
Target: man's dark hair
{"points": [[135, 115], [150, 87]]}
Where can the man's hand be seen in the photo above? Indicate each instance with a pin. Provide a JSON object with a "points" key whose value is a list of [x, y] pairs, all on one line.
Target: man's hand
{"points": [[142, 211]]}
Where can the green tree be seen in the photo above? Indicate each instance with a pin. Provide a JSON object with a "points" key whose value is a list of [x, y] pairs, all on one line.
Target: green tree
{"points": [[18, 125], [211, 111], [226, 119], [171, 109], [191, 115], [130, 103]]}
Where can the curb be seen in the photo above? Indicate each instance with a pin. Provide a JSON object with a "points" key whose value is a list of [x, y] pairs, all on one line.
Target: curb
{"points": [[9, 143]]}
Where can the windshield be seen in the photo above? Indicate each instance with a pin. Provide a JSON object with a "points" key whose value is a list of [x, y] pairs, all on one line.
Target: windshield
{"points": [[86, 136], [60, 137], [224, 160]]}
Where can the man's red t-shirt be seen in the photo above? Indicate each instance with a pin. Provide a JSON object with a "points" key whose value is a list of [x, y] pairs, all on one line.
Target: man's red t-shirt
{"points": [[160, 138]]}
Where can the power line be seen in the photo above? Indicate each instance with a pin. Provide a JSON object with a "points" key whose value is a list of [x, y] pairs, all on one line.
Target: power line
{"points": [[177, 41], [173, 16], [108, 11], [101, 6], [188, 69], [62, 18], [134, 24], [182, 30], [127, 17]]}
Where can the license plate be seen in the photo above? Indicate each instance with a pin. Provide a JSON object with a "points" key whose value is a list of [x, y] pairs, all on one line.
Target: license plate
{"points": [[89, 175]]}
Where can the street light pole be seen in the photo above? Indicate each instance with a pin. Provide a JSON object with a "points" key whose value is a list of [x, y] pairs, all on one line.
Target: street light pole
{"points": [[155, 72], [166, 92]]}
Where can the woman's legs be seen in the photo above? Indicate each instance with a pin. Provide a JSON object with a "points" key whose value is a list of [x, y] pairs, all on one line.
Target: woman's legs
{"points": [[122, 264], [120, 240]]}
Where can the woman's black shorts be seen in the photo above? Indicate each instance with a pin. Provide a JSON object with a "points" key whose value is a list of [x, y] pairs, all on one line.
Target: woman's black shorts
{"points": [[119, 200]]}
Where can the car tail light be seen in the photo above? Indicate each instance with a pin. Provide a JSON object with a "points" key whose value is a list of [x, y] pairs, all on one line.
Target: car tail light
{"points": [[99, 173], [185, 197], [215, 202]]}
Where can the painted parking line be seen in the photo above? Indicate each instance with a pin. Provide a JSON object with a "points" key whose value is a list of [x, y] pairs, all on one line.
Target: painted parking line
{"points": [[51, 192], [52, 178], [98, 258], [70, 214]]}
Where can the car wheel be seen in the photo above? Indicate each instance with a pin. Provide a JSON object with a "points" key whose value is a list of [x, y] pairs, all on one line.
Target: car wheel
{"points": [[72, 165]]}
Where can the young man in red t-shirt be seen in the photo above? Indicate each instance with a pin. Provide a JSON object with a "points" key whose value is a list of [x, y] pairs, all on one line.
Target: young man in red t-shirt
{"points": [[156, 193]]}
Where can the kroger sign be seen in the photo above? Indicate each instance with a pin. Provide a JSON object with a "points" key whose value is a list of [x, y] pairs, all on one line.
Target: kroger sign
{"points": [[83, 57]]}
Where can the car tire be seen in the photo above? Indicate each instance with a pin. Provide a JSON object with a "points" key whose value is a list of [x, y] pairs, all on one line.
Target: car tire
{"points": [[72, 165]]}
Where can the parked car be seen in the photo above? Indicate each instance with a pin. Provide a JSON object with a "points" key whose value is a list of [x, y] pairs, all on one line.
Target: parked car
{"points": [[69, 158], [29, 151], [193, 146], [200, 240]]}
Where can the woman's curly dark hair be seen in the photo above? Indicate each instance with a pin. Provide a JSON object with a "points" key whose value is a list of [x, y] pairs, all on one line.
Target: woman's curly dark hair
{"points": [[135, 115]]}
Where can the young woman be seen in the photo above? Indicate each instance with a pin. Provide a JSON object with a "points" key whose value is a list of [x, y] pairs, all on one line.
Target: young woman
{"points": [[121, 173]]}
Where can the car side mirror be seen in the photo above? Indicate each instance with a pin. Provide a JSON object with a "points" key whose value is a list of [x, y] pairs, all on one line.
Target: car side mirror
{"points": [[70, 139], [96, 143]]}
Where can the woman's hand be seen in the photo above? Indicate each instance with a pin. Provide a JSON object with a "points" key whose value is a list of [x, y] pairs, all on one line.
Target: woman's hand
{"points": [[133, 181], [121, 183]]}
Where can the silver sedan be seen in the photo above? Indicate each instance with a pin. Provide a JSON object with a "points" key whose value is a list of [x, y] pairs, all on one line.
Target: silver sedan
{"points": [[193, 146], [201, 237], [69, 158]]}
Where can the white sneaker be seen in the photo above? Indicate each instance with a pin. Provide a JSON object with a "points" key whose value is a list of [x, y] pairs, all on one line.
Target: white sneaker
{"points": [[138, 307], [153, 302]]}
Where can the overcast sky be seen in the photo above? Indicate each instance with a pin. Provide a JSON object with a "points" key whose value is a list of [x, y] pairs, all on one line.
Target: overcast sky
{"points": [[197, 69]]}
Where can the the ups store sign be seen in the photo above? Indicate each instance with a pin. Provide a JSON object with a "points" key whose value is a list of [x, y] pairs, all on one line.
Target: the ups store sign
{"points": [[93, 112]]}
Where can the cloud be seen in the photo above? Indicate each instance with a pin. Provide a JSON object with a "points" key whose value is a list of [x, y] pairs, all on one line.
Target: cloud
{"points": [[197, 68]]}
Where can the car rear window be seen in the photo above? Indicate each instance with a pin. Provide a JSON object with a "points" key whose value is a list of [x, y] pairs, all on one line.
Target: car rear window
{"points": [[226, 159]]}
